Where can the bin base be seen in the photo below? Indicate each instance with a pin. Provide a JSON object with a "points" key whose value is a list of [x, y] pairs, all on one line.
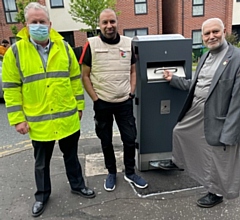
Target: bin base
{"points": [[144, 161]]}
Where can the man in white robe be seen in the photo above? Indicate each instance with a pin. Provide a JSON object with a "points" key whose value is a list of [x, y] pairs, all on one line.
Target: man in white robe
{"points": [[206, 138]]}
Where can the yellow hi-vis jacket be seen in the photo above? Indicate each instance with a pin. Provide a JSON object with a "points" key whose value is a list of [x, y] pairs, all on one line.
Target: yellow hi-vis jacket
{"points": [[48, 98]]}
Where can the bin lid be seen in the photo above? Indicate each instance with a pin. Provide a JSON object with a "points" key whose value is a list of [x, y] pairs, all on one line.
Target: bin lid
{"points": [[158, 37]]}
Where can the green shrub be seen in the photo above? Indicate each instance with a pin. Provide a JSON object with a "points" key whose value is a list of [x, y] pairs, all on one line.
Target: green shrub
{"points": [[232, 38]]}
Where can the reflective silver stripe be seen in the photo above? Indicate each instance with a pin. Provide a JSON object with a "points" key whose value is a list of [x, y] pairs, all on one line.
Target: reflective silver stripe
{"points": [[51, 116], [15, 108], [67, 49], [16, 54], [57, 74], [33, 78], [75, 77], [40, 76], [79, 97], [11, 85]]}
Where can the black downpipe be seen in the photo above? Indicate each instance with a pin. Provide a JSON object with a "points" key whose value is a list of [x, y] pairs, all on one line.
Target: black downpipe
{"points": [[157, 17], [182, 17]]}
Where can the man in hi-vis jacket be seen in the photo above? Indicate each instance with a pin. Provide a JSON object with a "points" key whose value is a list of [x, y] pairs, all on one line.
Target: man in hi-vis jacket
{"points": [[44, 97]]}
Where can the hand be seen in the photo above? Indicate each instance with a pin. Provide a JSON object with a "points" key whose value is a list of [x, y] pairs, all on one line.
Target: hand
{"points": [[167, 75], [22, 128], [80, 114], [131, 95], [95, 99]]}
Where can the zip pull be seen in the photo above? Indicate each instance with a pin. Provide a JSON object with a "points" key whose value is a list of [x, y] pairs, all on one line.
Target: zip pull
{"points": [[224, 148]]}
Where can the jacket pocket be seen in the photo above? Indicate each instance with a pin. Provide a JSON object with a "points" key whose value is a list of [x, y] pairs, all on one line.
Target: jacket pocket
{"points": [[101, 55]]}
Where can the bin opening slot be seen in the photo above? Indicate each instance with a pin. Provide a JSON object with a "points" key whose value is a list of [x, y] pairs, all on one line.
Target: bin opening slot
{"points": [[155, 70], [156, 73], [161, 70]]}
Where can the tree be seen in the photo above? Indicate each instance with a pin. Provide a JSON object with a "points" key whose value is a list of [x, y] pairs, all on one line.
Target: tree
{"points": [[88, 11], [21, 4]]}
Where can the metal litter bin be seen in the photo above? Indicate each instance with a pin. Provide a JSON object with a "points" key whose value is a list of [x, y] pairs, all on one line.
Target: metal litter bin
{"points": [[157, 104]]}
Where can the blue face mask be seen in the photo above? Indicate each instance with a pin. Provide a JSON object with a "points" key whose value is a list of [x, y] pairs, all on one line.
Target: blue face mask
{"points": [[38, 32]]}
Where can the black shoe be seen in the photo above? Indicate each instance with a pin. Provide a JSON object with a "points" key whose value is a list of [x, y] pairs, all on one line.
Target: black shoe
{"points": [[209, 200], [38, 208], [168, 165], [85, 192]]}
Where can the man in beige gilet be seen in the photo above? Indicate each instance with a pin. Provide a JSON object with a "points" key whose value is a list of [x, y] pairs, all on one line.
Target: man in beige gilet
{"points": [[109, 77]]}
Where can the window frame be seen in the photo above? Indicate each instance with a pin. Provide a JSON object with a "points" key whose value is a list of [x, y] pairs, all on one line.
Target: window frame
{"points": [[197, 5], [13, 40], [12, 20], [90, 34], [140, 2], [57, 6], [135, 30], [197, 44]]}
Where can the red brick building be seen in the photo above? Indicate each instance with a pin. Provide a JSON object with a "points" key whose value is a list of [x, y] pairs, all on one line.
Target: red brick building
{"points": [[143, 17], [183, 17], [8, 10]]}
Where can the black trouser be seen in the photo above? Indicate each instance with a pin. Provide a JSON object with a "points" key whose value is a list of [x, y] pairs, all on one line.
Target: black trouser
{"points": [[123, 114], [43, 153]]}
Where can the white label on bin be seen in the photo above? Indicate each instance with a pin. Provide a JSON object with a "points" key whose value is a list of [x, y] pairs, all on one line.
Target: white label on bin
{"points": [[165, 107]]}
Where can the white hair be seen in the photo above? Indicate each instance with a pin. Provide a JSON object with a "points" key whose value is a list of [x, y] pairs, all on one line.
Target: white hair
{"points": [[213, 19], [36, 6]]}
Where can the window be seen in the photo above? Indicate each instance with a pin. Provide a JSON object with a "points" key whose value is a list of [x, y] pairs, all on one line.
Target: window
{"points": [[13, 40], [198, 8], [91, 33], [68, 36], [10, 10], [197, 38], [56, 4], [135, 32], [140, 7]]}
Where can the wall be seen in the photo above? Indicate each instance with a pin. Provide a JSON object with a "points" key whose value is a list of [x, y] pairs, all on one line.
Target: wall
{"points": [[62, 20], [182, 22], [170, 15], [5, 29], [128, 20], [217, 8]]}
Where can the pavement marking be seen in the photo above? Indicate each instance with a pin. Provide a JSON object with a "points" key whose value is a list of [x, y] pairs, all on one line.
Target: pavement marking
{"points": [[23, 142], [15, 150], [163, 193], [94, 164], [10, 149]]}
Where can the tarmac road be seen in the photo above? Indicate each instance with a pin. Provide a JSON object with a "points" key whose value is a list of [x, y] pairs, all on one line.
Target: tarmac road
{"points": [[171, 195]]}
